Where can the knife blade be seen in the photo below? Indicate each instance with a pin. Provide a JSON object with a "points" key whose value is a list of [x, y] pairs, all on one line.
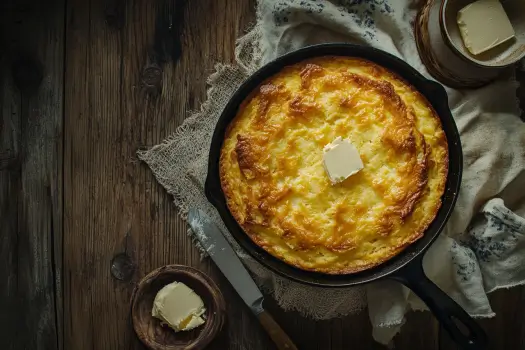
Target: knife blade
{"points": [[212, 239], [220, 251]]}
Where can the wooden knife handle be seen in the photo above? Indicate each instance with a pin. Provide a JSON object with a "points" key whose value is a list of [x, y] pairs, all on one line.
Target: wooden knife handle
{"points": [[279, 337]]}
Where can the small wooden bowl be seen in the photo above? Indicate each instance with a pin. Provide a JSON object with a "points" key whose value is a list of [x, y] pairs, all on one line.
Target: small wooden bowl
{"points": [[149, 329], [506, 54]]}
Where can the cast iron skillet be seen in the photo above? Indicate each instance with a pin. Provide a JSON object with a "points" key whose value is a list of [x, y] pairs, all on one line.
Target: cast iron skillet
{"points": [[405, 267]]}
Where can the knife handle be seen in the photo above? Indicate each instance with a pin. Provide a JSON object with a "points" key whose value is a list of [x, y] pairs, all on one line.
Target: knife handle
{"points": [[279, 337]]}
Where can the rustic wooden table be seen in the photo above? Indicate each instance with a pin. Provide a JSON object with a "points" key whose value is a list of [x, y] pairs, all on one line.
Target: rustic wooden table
{"points": [[83, 85]]}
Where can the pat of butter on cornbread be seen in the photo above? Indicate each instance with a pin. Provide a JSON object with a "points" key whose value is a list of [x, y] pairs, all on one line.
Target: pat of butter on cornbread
{"points": [[179, 307], [341, 160]]}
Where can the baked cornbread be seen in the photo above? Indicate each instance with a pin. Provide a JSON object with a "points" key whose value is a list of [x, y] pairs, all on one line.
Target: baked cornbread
{"points": [[271, 165]]}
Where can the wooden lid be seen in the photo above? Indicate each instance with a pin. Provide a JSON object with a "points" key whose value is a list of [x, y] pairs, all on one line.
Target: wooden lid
{"points": [[158, 337], [444, 64]]}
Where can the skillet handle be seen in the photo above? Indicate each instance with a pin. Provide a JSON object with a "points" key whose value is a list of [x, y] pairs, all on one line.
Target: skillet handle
{"points": [[457, 322]]}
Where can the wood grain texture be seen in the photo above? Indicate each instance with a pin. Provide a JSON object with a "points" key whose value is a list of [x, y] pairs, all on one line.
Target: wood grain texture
{"points": [[83, 85], [281, 340], [31, 91], [507, 329], [114, 204]]}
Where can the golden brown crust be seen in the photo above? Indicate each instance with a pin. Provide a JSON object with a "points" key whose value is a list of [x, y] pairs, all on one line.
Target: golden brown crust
{"points": [[272, 176]]}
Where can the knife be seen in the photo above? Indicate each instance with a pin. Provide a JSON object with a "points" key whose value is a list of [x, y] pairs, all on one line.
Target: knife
{"points": [[211, 238]]}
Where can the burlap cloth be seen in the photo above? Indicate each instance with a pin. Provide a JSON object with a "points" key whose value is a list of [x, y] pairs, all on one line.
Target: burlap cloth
{"points": [[483, 246]]}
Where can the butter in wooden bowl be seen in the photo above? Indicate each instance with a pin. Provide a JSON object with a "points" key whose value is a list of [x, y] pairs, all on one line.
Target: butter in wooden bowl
{"points": [[179, 307]]}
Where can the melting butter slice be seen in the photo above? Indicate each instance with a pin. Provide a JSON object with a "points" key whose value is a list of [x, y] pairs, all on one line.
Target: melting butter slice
{"points": [[179, 307], [341, 160], [484, 25]]}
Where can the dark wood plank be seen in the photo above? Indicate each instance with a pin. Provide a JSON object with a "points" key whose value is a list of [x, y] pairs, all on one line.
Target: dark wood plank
{"points": [[31, 92], [507, 329], [355, 332], [351, 332], [421, 331], [113, 204]]}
